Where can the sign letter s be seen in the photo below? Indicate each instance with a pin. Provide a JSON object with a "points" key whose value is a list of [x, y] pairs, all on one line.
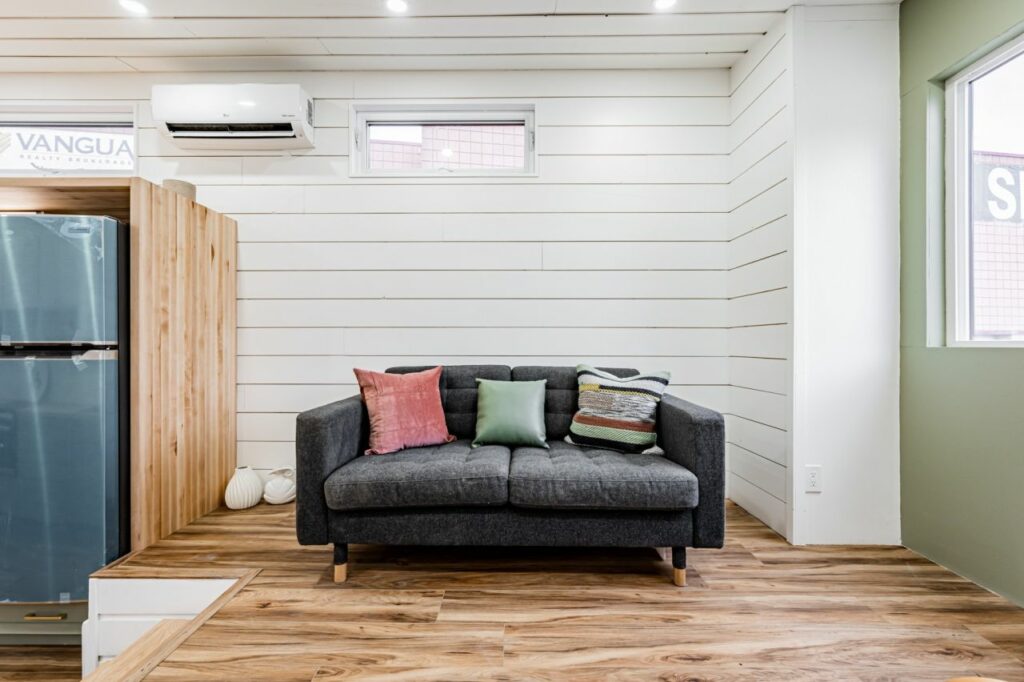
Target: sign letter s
{"points": [[999, 182]]}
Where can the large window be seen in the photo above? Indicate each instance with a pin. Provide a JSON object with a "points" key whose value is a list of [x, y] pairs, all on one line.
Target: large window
{"points": [[489, 140], [985, 197], [66, 141]]}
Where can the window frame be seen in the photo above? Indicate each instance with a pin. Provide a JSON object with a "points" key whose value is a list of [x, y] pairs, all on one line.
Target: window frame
{"points": [[364, 115], [959, 192], [29, 114]]}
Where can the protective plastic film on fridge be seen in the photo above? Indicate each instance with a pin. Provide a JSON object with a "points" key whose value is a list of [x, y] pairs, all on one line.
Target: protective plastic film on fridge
{"points": [[63, 417]]}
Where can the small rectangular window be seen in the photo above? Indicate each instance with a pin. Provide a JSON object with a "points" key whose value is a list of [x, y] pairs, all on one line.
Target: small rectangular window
{"points": [[65, 141], [466, 141], [985, 197]]}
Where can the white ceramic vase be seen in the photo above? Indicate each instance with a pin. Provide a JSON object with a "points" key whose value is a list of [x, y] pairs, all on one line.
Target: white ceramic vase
{"points": [[244, 489], [280, 488]]}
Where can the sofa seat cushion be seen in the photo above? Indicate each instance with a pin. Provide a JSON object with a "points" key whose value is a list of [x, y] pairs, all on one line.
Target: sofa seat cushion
{"points": [[568, 476], [448, 475]]}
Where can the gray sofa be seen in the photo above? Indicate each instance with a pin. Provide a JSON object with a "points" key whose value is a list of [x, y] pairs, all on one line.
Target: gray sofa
{"points": [[453, 494]]}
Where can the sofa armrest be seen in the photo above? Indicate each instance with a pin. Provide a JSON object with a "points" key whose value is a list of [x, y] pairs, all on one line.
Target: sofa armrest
{"points": [[694, 436], [325, 438]]}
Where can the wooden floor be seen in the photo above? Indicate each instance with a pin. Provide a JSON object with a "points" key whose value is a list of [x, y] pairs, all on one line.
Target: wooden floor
{"points": [[40, 663], [757, 610]]}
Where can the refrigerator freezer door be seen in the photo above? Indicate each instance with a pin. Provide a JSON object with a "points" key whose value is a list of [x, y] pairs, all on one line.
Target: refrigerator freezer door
{"points": [[58, 280], [58, 474]]}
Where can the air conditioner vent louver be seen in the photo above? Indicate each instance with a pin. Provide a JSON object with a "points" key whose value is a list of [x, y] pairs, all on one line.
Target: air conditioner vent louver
{"points": [[230, 128]]}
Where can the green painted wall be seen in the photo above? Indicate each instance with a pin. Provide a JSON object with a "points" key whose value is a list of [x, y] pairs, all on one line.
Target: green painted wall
{"points": [[962, 409]]}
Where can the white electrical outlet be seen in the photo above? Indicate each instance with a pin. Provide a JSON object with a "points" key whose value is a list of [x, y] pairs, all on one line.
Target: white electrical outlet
{"points": [[813, 483]]}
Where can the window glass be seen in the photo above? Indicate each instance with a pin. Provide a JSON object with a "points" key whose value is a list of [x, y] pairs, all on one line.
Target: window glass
{"points": [[996, 240], [34, 148], [441, 146]]}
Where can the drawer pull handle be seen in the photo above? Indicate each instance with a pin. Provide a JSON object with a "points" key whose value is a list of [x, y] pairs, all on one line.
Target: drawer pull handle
{"points": [[44, 618]]}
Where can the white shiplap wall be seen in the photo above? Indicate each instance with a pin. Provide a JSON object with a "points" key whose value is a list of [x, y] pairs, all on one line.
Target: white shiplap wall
{"points": [[615, 254], [759, 233]]}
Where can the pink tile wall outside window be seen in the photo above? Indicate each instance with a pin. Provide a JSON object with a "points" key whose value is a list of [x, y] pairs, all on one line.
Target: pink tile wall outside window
{"points": [[460, 147], [997, 257]]}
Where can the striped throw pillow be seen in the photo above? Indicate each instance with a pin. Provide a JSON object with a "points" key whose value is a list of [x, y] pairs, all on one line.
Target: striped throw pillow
{"points": [[614, 413]]}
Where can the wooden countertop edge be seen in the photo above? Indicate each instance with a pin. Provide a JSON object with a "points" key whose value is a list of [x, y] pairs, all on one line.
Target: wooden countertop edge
{"points": [[121, 571], [115, 181], [150, 650]]}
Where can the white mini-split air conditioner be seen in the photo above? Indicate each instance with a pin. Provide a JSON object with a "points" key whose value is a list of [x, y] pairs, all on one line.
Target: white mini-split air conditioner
{"points": [[234, 116]]}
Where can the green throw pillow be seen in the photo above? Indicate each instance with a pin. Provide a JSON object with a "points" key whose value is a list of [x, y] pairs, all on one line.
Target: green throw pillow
{"points": [[510, 413]]}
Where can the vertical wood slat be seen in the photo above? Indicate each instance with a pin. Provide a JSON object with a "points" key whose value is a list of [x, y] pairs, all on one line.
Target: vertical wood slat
{"points": [[182, 362]]}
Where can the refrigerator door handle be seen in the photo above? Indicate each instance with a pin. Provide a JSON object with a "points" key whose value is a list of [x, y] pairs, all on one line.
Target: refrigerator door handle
{"points": [[98, 355]]}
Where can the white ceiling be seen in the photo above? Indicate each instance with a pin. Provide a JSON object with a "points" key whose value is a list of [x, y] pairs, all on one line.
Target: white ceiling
{"points": [[330, 35]]}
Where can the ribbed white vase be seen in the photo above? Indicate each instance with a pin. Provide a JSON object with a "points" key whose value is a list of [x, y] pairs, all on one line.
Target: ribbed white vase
{"points": [[244, 489]]}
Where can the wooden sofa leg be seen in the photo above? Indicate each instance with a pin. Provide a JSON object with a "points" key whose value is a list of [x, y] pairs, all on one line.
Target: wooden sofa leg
{"points": [[340, 563], [679, 566]]}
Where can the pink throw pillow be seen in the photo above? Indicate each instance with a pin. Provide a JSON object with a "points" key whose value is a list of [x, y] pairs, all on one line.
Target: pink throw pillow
{"points": [[405, 410]]}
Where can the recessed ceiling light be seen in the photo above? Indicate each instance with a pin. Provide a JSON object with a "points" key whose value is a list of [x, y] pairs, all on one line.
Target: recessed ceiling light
{"points": [[246, 103], [398, 6], [662, 5], [134, 6]]}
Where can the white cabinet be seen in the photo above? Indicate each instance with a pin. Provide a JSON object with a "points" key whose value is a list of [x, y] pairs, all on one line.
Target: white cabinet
{"points": [[122, 609]]}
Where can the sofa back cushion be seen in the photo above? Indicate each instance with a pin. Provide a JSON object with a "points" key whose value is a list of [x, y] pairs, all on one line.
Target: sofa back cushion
{"points": [[562, 394], [459, 392]]}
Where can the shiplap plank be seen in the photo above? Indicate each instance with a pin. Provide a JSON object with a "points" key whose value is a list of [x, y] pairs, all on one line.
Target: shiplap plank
{"points": [[596, 83], [553, 45], [388, 256], [197, 170], [579, 284], [459, 313], [764, 473], [771, 341], [633, 139], [539, 341], [771, 272], [535, 26], [767, 441], [760, 373], [635, 256], [633, 169], [749, 157], [476, 227], [767, 307], [764, 172], [776, 61], [760, 406], [458, 62], [767, 105], [762, 209], [767, 240], [511, 198], [167, 47]]}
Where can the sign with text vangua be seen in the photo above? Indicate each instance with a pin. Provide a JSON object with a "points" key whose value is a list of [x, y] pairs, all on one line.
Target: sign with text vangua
{"points": [[67, 149]]}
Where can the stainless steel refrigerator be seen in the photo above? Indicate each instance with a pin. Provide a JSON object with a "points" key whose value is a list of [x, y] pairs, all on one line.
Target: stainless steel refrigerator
{"points": [[63, 417]]}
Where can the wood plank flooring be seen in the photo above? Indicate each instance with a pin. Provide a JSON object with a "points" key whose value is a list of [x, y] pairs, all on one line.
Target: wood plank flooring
{"points": [[41, 663], [756, 610]]}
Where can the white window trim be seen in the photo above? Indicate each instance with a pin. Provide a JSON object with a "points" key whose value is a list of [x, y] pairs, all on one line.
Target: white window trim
{"points": [[365, 114], [958, 205]]}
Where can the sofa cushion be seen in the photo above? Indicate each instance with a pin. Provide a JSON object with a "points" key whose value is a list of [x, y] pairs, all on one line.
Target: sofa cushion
{"points": [[561, 393], [568, 476], [405, 410], [452, 474], [459, 392]]}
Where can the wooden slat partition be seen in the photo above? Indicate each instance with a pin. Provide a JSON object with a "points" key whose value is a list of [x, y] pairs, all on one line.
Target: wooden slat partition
{"points": [[182, 361]]}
